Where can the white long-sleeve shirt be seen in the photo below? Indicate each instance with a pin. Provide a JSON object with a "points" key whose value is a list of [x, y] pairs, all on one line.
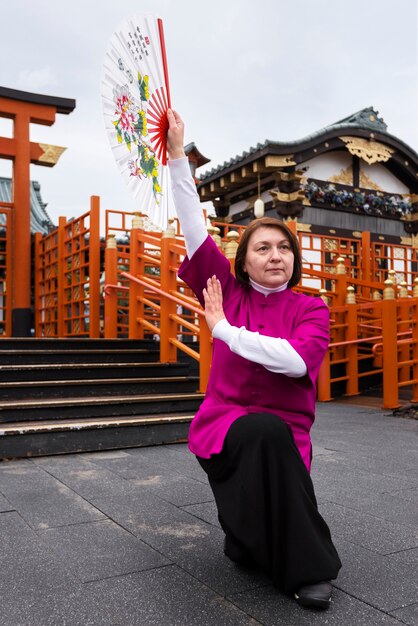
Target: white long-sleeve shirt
{"points": [[274, 353]]}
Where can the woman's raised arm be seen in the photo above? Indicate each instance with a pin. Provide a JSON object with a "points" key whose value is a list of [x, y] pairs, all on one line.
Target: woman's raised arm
{"points": [[186, 199]]}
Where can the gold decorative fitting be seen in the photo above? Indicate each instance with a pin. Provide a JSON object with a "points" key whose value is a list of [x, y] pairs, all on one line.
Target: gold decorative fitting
{"points": [[392, 276], [340, 265], [369, 151], [232, 244], [388, 292], [403, 289], [278, 196], [279, 161], [351, 296], [323, 295], [330, 245], [170, 231], [51, 154], [357, 233], [111, 242], [406, 241], [138, 220], [345, 177], [303, 228]]}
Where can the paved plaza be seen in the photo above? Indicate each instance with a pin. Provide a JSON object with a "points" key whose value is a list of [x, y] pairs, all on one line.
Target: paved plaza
{"points": [[131, 537]]}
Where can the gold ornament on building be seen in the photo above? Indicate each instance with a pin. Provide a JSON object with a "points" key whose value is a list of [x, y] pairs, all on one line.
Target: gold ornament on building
{"points": [[345, 177], [369, 151], [275, 160], [51, 154], [303, 228]]}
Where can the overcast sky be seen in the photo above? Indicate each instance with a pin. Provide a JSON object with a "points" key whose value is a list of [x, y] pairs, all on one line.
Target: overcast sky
{"points": [[241, 72]]}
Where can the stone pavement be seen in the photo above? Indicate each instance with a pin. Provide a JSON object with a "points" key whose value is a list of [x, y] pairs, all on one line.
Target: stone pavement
{"points": [[131, 537]]}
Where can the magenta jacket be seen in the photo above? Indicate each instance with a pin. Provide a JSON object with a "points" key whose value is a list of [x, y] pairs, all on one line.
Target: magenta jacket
{"points": [[237, 386]]}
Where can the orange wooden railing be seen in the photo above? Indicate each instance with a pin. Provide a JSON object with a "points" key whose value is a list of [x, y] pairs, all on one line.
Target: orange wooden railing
{"points": [[363, 340], [160, 305], [67, 278]]}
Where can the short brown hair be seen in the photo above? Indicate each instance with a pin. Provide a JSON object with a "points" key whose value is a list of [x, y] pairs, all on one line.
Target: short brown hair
{"points": [[269, 222]]}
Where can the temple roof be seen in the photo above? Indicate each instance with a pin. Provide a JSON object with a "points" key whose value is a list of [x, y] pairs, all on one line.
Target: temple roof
{"points": [[40, 222], [365, 123], [200, 159], [63, 105]]}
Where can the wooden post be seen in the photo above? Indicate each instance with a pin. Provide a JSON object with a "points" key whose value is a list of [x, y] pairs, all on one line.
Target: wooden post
{"points": [[205, 355], [62, 328], [168, 352], [135, 290], [340, 296], [404, 325], [352, 348], [111, 298], [341, 282], [21, 313], [324, 379], [414, 350], [94, 268], [37, 285], [390, 348], [366, 271]]}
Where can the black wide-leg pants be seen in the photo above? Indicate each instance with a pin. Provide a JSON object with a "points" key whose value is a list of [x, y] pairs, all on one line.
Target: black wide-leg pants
{"points": [[267, 506]]}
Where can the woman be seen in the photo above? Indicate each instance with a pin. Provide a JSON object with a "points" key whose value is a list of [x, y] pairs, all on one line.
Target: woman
{"points": [[251, 433]]}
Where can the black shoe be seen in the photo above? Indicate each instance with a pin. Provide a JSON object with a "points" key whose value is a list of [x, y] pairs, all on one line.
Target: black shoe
{"points": [[316, 596]]}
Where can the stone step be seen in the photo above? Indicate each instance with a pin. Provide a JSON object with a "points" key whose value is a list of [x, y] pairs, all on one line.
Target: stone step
{"points": [[80, 408], [76, 371], [71, 355], [29, 439], [76, 343], [97, 387]]}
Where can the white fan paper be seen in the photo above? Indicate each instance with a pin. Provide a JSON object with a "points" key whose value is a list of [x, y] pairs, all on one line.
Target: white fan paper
{"points": [[135, 97]]}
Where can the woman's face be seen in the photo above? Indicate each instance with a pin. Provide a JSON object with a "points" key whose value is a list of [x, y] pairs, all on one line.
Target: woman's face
{"points": [[269, 259]]}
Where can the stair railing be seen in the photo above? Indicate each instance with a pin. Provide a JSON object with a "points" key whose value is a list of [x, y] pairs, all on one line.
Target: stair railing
{"points": [[394, 349], [170, 329], [357, 327]]}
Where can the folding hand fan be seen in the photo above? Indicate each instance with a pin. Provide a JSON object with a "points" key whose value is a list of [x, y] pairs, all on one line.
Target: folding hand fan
{"points": [[135, 97]]}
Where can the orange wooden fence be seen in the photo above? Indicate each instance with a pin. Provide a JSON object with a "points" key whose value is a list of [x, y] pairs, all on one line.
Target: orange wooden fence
{"points": [[364, 344], [67, 278], [160, 304], [370, 287]]}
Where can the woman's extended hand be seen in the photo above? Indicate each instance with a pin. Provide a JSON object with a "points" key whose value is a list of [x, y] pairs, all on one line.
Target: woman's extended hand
{"points": [[214, 311], [175, 135]]}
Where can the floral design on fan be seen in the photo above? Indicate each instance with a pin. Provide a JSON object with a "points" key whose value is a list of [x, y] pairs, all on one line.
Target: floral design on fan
{"points": [[131, 129]]}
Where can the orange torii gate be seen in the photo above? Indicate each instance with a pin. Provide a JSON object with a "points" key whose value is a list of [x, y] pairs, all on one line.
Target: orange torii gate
{"points": [[25, 108]]}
